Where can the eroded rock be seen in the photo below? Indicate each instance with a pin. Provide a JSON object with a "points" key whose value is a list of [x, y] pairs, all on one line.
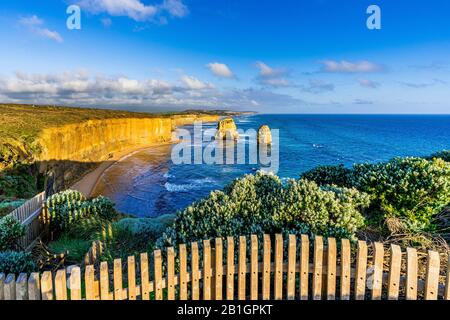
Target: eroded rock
{"points": [[264, 135], [227, 130]]}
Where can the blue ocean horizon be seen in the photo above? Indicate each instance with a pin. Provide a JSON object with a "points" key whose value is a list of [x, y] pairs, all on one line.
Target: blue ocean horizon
{"points": [[147, 183]]}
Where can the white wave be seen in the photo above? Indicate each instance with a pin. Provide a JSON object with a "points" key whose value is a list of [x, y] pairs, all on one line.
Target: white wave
{"points": [[168, 175], [318, 146], [172, 187]]}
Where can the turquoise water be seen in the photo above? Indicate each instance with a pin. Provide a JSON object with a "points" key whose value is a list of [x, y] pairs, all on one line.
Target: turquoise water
{"points": [[147, 183]]}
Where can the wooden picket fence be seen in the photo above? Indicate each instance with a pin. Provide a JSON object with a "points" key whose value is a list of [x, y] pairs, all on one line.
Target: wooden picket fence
{"points": [[293, 268], [33, 215]]}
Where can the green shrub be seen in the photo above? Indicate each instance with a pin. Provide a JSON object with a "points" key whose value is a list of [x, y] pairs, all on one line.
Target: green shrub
{"points": [[329, 175], [16, 262], [70, 207], [148, 228], [260, 203], [75, 248], [10, 231], [444, 155]]}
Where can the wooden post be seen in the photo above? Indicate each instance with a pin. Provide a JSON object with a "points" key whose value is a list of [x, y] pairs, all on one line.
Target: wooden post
{"points": [[75, 283], [254, 268], [278, 285], [61, 285], [104, 281], [230, 268], [206, 270], [10, 287], [304, 267], [2, 285], [34, 287], [242, 267], [377, 284], [183, 272], [145, 282], [447, 282], [89, 282], [117, 274], [170, 273], [195, 272], [345, 269], [411, 274], [47, 286], [394, 272], [331, 269], [158, 274], [292, 264], [361, 271], [22, 287], [131, 266], [266, 268], [317, 275], [219, 269], [432, 277]]}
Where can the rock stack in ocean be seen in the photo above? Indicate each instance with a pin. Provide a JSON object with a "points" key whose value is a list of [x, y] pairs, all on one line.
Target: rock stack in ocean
{"points": [[227, 130], [264, 135]]}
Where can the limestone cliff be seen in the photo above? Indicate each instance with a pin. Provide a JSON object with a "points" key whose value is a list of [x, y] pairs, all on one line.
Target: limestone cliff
{"points": [[264, 135], [226, 129]]}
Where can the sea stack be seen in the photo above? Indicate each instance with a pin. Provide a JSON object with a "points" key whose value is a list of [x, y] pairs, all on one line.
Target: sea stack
{"points": [[264, 135], [227, 130]]}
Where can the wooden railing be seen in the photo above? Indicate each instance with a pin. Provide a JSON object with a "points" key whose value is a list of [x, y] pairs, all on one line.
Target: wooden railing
{"points": [[32, 214], [291, 269]]}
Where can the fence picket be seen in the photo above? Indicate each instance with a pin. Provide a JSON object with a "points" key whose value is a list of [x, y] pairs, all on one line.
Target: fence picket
{"points": [[278, 285], [34, 287], [61, 285], [145, 283], [2, 285], [377, 284], [394, 272], [242, 272], [432, 276], [117, 275], [345, 269], [47, 286], [411, 274], [292, 264], [170, 273], [318, 264], [183, 272], [158, 274], [230, 268], [10, 287], [22, 287], [304, 267], [104, 281], [218, 280], [206, 270], [254, 268], [89, 282], [131, 278], [266, 268], [447, 282], [361, 271], [331, 269], [75, 283]]}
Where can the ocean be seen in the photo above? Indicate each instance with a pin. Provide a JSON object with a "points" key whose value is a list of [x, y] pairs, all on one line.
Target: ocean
{"points": [[147, 183]]}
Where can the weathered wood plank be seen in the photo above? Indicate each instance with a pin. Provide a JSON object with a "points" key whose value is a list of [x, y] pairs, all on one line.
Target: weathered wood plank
{"points": [[206, 270], [118, 280], [22, 287], [75, 283], [104, 281], [432, 276], [89, 282], [278, 281], [157, 261], [230, 268], [447, 282], [331, 269], [170, 273], [218, 280], [242, 267], [145, 279], [10, 287], [131, 267], [345, 269], [317, 269], [34, 287], [377, 284], [411, 274], [361, 271], [2, 285], [61, 285], [195, 272], [394, 272], [266, 268], [254, 268], [304, 267], [292, 264], [183, 273]]}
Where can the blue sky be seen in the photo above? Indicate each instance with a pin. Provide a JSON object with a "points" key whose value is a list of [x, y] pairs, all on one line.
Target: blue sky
{"points": [[314, 56]]}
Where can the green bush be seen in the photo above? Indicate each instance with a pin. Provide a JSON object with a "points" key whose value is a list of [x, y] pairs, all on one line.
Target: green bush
{"points": [[16, 262], [70, 207], [147, 228], [444, 155], [329, 175], [75, 248], [260, 203], [10, 231]]}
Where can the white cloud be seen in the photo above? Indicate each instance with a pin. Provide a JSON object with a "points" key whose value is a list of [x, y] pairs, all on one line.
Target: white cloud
{"points": [[194, 83], [36, 25], [220, 70], [272, 77], [135, 9], [318, 86], [368, 83], [350, 67]]}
